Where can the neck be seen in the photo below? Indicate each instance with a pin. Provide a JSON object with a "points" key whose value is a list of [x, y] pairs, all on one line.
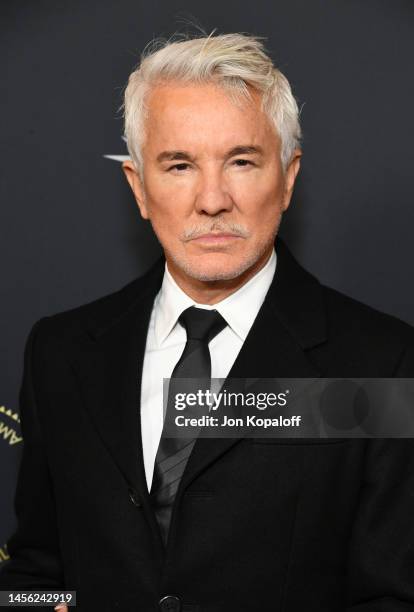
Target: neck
{"points": [[212, 292]]}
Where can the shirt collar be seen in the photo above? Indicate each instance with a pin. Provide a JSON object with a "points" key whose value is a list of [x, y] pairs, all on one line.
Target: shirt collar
{"points": [[238, 309]]}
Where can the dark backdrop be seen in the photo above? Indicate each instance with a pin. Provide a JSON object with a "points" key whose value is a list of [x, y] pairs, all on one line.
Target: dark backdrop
{"points": [[70, 230]]}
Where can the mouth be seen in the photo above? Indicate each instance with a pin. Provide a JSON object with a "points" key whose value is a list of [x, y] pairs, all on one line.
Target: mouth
{"points": [[216, 238]]}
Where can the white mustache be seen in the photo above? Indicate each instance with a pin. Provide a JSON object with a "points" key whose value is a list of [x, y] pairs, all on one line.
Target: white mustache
{"points": [[229, 228]]}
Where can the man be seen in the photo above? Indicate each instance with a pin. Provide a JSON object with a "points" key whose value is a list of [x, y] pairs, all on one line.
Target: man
{"points": [[247, 524]]}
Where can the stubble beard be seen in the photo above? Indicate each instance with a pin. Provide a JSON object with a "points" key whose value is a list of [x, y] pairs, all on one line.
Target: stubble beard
{"points": [[188, 267]]}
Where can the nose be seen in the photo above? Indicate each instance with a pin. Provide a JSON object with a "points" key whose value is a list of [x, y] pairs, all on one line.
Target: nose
{"points": [[212, 197]]}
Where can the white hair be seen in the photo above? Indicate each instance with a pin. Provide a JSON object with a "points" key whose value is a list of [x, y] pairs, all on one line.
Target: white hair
{"points": [[234, 62]]}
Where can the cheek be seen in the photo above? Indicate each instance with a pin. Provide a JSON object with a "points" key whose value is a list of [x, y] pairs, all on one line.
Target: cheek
{"points": [[261, 206], [168, 202], [166, 219], [260, 191]]}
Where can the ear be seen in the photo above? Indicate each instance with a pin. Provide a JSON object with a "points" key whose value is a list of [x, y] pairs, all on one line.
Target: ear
{"points": [[136, 185], [291, 173]]}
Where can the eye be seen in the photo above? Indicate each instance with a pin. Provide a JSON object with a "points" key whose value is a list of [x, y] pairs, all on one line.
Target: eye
{"points": [[179, 167], [243, 162]]}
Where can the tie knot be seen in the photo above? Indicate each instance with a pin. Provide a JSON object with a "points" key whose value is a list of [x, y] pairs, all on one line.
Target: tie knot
{"points": [[201, 324]]}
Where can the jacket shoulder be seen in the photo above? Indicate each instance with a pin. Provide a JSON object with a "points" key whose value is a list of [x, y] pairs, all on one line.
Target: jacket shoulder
{"points": [[377, 336], [104, 309], [352, 313]]}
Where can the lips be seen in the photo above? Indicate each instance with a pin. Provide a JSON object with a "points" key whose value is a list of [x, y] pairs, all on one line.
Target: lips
{"points": [[216, 235], [216, 238]]}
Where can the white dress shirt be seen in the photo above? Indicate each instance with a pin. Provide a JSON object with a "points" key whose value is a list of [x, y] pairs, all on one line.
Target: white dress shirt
{"points": [[166, 340]]}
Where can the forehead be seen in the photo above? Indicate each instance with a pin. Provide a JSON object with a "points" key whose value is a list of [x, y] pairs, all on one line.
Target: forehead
{"points": [[204, 116]]}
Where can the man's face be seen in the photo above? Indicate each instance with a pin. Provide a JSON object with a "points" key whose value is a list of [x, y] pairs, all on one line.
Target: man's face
{"points": [[213, 185]]}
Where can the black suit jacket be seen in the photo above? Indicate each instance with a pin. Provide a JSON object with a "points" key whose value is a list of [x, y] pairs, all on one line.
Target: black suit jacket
{"points": [[278, 524]]}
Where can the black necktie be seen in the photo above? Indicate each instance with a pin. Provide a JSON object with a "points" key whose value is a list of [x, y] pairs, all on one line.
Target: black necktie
{"points": [[202, 326]]}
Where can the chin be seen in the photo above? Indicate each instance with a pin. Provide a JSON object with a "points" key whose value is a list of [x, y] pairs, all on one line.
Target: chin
{"points": [[200, 268]]}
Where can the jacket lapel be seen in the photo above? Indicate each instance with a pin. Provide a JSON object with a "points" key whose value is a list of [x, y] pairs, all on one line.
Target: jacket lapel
{"points": [[109, 367]]}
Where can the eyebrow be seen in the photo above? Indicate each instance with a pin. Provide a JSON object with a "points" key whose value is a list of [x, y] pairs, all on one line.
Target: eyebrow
{"points": [[185, 156]]}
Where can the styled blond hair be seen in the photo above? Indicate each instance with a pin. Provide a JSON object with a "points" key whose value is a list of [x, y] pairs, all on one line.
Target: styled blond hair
{"points": [[233, 61]]}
